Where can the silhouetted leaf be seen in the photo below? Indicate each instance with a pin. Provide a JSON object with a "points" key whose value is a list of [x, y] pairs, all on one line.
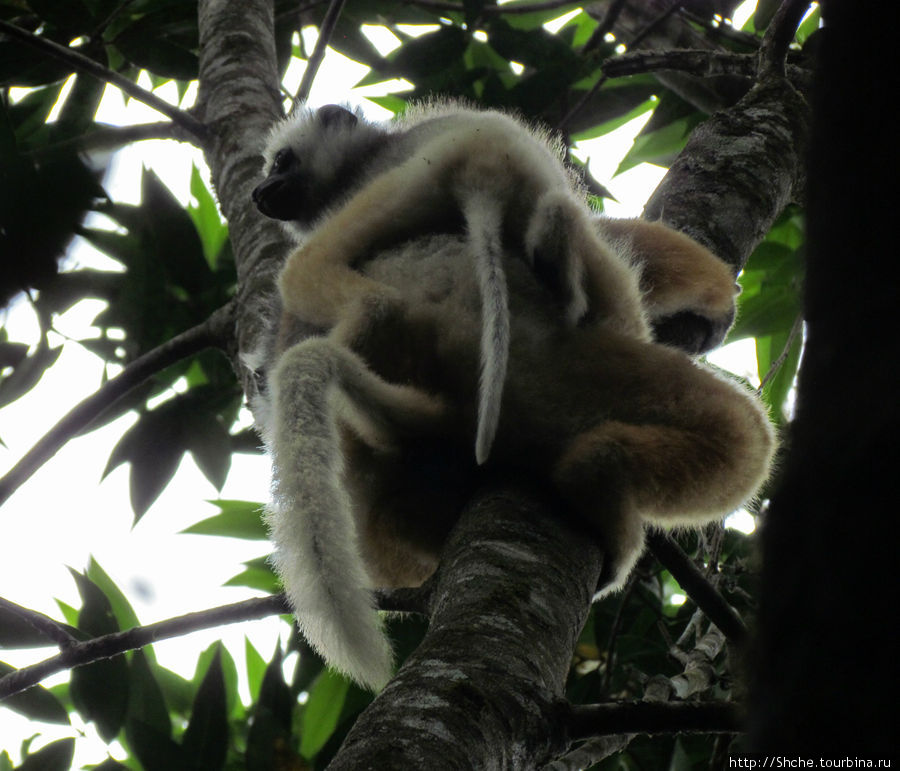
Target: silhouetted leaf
{"points": [[56, 756], [37, 703], [205, 740]]}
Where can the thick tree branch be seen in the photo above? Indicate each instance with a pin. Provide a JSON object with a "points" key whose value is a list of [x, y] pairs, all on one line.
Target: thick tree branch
{"points": [[239, 99], [82, 63], [215, 331], [779, 34], [700, 63], [510, 598], [737, 172], [701, 591]]}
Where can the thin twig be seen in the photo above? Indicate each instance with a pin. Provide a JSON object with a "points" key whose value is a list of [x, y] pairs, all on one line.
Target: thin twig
{"points": [[88, 66], [211, 332], [76, 653], [105, 137], [697, 587], [638, 38], [110, 645], [776, 365], [326, 30], [605, 26], [52, 629], [493, 10]]}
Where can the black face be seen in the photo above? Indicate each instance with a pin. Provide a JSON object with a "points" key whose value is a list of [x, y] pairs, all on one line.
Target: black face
{"points": [[282, 194], [691, 332]]}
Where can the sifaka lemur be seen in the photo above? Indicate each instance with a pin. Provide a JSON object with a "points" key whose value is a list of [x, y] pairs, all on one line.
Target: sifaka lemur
{"points": [[405, 266]]}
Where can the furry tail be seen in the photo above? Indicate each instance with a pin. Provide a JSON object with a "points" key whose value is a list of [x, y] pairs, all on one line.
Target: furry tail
{"points": [[484, 217], [310, 519]]}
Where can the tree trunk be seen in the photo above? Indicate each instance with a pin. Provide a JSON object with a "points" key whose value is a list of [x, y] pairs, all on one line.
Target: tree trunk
{"points": [[823, 682], [484, 688]]}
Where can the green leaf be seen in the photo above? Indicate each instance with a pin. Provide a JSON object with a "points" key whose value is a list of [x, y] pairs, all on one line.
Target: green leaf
{"points": [[37, 703], [429, 54], [270, 732], [163, 41], [236, 519], [661, 145], [155, 750], [205, 215], [99, 690], [56, 756], [178, 244], [205, 740], [154, 446], [146, 702], [229, 670], [258, 575], [256, 667], [177, 691], [776, 390], [122, 610], [321, 713]]}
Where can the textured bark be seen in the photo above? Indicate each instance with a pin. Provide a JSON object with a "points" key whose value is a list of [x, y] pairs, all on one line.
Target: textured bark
{"points": [[827, 661], [483, 689], [737, 172], [239, 99]]}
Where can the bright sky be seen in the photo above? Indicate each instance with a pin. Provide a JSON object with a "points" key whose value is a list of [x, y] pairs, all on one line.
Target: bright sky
{"points": [[64, 514]]}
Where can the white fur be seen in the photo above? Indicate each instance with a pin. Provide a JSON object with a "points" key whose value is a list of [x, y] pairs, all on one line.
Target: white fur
{"points": [[311, 522]]}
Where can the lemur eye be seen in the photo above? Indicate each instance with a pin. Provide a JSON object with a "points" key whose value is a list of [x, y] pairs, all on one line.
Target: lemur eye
{"points": [[282, 161]]}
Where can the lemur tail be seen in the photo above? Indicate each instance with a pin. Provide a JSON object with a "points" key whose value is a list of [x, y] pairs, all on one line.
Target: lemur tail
{"points": [[310, 519], [484, 217]]}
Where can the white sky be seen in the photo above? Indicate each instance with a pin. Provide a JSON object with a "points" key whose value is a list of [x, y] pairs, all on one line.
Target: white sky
{"points": [[64, 514]]}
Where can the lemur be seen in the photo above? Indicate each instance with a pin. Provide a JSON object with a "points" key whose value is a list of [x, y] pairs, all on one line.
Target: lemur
{"points": [[348, 186], [370, 420]]}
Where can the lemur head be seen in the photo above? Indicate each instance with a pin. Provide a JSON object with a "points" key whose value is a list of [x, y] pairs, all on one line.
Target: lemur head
{"points": [[313, 160]]}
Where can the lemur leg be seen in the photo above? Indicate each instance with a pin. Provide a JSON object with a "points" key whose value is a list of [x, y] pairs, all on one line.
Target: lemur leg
{"points": [[690, 467]]}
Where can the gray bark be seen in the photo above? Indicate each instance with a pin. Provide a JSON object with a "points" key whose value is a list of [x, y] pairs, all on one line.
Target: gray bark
{"points": [[484, 688]]}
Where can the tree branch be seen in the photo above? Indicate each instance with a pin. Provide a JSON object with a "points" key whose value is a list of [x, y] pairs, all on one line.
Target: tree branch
{"points": [[50, 628], [697, 587], [641, 717], [635, 41], [82, 63], [326, 30], [779, 34], [106, 137], [493, 10], [213, 332], [511, 594], [79, 653]]}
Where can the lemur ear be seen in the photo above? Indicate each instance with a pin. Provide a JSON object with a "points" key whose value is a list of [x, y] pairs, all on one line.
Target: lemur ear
{"points": [[335, 116]]}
